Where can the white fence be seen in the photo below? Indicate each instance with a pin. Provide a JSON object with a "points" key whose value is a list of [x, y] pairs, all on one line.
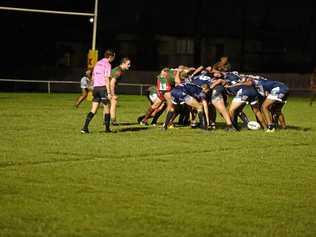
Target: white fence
{"points": [[75, 86], [299, 84]]}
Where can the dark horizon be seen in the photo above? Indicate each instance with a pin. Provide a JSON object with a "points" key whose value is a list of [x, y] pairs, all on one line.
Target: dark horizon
{"points": [[36, 39]]}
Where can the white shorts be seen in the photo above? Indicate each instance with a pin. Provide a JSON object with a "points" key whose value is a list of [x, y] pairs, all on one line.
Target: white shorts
{"points": [[276, 94], [84, 83], [153, 97], [238, 100]]}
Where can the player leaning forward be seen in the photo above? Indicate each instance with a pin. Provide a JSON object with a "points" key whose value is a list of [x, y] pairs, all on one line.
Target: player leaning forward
{"points": [[101, 90]]}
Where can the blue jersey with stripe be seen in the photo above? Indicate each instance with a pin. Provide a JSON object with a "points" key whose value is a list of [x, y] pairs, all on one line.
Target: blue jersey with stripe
{"points": [[232, 77], [263, 86], [201, 79], [183, 91], [194, 91]]}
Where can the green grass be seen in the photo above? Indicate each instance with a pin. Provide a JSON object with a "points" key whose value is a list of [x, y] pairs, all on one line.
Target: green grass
{"points": [[145, 182]]}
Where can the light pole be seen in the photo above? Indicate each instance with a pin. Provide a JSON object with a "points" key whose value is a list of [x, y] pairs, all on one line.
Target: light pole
{"points": [[93, 53], [94, 34]]}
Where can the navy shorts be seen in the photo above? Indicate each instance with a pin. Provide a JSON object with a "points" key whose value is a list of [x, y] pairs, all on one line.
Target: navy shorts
{"points": [[218, 92], [178, 95], [100, 95]]}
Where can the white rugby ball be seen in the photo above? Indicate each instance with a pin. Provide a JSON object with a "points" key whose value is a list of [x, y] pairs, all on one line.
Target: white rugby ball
{"points": [[253, 125]]}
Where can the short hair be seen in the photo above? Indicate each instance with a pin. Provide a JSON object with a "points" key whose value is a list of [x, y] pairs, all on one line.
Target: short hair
{"points": [[109, 53], [183, 74], [124, 60], [205, 86]]}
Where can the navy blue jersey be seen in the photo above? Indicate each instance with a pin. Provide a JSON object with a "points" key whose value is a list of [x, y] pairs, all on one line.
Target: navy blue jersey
{"points": [[252, 76], [183, 91], [247, 94], [201, 79], [194, 91], [263, 86], [178, 95], [232, 77], [232, 90]]}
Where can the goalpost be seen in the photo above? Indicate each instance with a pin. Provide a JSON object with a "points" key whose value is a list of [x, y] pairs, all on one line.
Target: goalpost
{"points": [[92, 56]]}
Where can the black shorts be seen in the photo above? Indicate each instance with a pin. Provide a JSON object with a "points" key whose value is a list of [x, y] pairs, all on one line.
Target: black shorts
{"points": [[218, 92], [100, 95]]}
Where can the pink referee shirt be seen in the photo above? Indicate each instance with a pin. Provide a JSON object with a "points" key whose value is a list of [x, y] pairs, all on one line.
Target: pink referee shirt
{"points": [[101, 70]]}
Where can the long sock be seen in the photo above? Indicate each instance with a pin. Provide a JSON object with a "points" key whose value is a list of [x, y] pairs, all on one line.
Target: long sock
{"points": [[180, 110], [243, 117], [107, 119], [186, 118], [175, 114], [235, 122], [212, 114], [168, 119], [157, 115], [202, 119], [276, 112], [88, 119], [275, 119]]}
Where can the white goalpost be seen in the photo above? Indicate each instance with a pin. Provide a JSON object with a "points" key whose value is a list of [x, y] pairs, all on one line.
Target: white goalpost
{"points": [[94, 15]]}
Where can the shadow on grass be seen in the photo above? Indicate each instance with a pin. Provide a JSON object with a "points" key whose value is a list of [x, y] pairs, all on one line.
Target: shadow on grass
{"points": [[132, 129], [127, 129], [125, 123], [222, 125], [291, 127], [116, 128], [219, 126]]}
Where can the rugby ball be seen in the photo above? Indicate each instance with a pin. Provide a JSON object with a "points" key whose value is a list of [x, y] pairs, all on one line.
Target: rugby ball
{"points": [[253, 125]]}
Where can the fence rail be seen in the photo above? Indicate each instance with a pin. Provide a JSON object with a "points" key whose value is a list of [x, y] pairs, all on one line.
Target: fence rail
{"points": [[298, 84], [139, 87]]}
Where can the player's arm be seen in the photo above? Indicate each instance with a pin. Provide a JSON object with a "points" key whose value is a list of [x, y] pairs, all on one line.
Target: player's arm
{"points": [[112, 86], [107, 85], [217, 82], [90, 83], [177, 77], [243, 82], [113, 80], [197, 70]]}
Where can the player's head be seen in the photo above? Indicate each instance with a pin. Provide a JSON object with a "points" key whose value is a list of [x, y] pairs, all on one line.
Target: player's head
{"points": [[182, 67], [224, 59], [125, 63], [183, 75], [205, 87], [109, 54], [217, 74], [88, 72], [209, 69], [164, 72]]}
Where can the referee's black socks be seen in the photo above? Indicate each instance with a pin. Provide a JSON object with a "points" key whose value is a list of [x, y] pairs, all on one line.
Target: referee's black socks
{"points": [[107, 119], [89, 117]]}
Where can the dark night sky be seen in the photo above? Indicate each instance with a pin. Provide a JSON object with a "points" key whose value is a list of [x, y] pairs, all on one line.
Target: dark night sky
{"points": [[173, 17], [28, 38]]}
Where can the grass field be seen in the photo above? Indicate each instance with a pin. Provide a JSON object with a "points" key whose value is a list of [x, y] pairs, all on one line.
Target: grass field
{"points": [[144, 182]]}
